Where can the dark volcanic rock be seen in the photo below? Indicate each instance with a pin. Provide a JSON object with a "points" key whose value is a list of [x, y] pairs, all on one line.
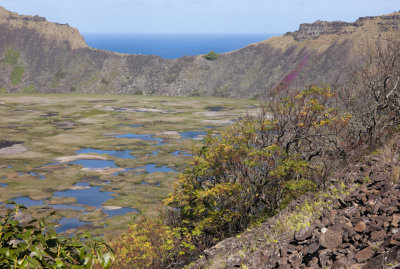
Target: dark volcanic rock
{"points": [[364, 254], [304, 234], [362, 231], [6, 144], [330, 239]]}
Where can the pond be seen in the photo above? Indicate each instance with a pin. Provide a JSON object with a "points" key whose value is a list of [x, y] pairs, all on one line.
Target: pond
{"points": [[181, 153], [122, 154], [95, 164], [34, 174], [144, 137], [66, 224], [154, 153], [152, 168], [28, 202], [84, 195], [192, 135], [119, 211], [131, 125], [88, 195], [214, 108]]}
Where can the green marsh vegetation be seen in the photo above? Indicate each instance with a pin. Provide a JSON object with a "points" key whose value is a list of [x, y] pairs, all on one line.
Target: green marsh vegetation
{"points": [[53, 126]]}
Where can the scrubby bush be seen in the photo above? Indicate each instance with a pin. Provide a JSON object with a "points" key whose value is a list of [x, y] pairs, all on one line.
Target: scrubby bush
{"points": [[259, 165], [211, 56], [151, 243], [372, 96], [11, 57], [16, 75]]}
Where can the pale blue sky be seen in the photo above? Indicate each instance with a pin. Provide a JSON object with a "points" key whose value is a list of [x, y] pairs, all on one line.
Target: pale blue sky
{"points": [[197, 16]]}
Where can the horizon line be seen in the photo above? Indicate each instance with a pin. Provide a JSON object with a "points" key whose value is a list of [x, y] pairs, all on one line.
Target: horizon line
{"points": [[203, 33]]}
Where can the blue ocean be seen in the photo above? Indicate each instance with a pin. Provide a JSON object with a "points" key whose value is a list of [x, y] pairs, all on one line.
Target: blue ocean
{"points": [[172, 46]]}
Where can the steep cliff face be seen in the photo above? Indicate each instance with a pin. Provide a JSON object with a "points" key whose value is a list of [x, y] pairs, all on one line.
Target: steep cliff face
{"points": [[306, 31], [58, 33], [40, 56]]}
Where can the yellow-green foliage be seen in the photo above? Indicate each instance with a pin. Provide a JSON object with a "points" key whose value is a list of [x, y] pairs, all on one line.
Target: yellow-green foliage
{"points": [[257, 167], [309, 210], [301, 218], [149, 243]]}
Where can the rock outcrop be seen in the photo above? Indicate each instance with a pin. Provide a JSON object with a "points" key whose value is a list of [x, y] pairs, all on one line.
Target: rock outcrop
{"points": [[54, 58], [361, 230], [306, 31], [53, 32]]}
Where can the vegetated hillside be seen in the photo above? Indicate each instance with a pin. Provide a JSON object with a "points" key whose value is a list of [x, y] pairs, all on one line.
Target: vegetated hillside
{"points": [[354, 224], [39, 56]]}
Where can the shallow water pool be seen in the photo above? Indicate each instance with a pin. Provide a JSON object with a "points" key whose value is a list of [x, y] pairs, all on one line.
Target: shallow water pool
{"points": [[144, 137], [122, 154], [152, 168], [95, 164], [69, 223], [90, 195], [192, 134]]}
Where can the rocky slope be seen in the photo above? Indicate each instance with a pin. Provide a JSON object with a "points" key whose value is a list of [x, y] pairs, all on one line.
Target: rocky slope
{"points": [[39, 56], [354, 225]]}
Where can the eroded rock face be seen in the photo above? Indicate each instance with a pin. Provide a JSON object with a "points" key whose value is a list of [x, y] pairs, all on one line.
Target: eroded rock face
{"points": [[360, 231], [318, 28], [314, 30]]}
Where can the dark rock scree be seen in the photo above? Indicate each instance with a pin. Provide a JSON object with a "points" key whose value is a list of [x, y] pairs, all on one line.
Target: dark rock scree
{"points": [[360, 231]]}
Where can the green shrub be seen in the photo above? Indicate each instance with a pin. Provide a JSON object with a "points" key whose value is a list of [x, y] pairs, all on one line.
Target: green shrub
{"points": [[195, 93], [29, 89], [35, 245], [60, 75], [150, 243], [258, 166], [11, 57], [16, 75], [211, 56]]}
